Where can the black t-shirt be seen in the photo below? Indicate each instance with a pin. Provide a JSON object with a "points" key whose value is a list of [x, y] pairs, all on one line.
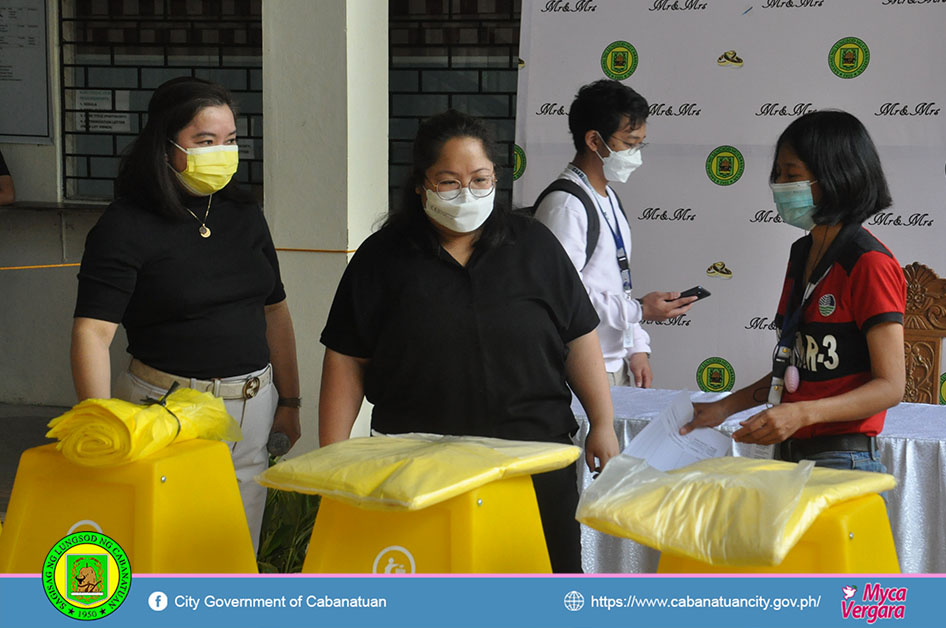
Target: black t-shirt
{"points": [[476, 350], [191, 306], [3, 166]]}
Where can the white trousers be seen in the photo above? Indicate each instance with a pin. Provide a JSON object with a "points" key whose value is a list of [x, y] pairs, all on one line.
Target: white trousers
{"points": [[250, 458], [621, 377]]}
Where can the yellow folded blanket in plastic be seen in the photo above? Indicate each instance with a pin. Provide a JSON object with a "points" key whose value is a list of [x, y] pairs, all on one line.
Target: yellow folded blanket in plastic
{"points": [[722, 511], [110, 432], [412, 471]]}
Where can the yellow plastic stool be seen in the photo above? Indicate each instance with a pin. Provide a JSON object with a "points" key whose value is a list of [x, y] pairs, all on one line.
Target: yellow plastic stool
{"points": [[177, 511], [850, 537], [494, 528]]}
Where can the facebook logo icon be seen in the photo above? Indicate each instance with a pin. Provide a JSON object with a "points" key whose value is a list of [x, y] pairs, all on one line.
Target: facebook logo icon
{"points": [[158, 601]]}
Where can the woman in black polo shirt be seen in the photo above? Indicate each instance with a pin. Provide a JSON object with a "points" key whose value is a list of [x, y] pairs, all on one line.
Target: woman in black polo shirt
{"points": [[186, 264], [458, 317]]}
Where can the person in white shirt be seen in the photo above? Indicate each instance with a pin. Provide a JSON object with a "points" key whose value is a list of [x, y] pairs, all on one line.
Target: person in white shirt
{"points": [[608, 123]]}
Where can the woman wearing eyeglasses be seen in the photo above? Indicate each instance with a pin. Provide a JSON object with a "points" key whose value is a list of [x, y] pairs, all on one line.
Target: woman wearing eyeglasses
{"points": [[185, 262], [458, 317]]}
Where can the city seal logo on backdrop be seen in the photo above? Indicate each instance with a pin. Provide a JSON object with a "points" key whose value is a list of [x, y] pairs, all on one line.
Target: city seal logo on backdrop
{"points": [[518, 161], [715, 375], [619, 60], [725, 165], [86, 575], [849, 57]]}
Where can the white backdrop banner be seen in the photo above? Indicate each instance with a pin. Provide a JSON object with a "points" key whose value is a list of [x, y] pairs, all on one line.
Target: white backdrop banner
{"points": [[724, 78]]}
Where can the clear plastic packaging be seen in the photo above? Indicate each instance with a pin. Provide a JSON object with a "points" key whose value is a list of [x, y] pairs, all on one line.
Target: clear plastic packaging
{"points": [[723, 511]]}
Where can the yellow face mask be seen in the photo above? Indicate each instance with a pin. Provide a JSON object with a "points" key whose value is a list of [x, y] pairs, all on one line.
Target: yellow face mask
{"points": [[209, 168]]}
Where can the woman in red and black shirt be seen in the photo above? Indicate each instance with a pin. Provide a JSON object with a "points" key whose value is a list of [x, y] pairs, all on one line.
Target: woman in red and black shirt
{"points": [[841, 310]]}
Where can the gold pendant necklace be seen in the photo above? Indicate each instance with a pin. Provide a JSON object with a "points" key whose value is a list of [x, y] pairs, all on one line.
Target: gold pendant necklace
{"points": [[204, 230]]}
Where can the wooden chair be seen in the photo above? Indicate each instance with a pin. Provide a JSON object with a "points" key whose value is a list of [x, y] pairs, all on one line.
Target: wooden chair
{"points": [[924, 332]]}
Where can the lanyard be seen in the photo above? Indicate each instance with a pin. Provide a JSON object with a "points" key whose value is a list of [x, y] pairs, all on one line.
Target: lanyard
{"points": [[623, 265], [803, 297], [793, 316], [783, 358]]}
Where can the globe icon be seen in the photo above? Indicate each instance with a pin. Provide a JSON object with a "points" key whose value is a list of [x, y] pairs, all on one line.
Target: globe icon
{"points": [[574, 601]]}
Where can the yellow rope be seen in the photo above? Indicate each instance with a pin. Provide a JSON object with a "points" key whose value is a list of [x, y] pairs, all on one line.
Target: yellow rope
{"points": [[39, 266], [317, 250]]}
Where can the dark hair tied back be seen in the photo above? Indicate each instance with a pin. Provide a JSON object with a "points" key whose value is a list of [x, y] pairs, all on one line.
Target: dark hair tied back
{"points": [[431, 136], [144, 175]]}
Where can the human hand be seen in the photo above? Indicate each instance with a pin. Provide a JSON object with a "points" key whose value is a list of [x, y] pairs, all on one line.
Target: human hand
{"points": [[601, 444], [286, 420], [705, 415], [659, 306], [639, 365], [772, 425]]}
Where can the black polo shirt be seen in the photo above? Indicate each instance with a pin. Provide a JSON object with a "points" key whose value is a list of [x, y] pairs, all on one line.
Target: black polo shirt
{"points": [[191, 306], [3, 167], [475, 350]]}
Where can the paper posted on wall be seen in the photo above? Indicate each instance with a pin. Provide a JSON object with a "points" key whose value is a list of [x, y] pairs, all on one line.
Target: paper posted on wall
{"points": [[662, 446]]}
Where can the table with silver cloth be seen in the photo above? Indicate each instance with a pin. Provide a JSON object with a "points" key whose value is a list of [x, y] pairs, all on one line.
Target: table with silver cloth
{"points": [[912, 446]]}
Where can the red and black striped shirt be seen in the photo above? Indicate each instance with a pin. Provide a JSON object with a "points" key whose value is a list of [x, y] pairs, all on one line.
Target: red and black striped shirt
{"points": [[864, 287]]}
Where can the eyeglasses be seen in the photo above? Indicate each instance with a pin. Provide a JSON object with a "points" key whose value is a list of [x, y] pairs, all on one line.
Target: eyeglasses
{"points": [[637, 146], [480, 187]]}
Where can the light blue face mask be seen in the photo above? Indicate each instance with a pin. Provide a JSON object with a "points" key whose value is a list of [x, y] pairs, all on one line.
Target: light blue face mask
{"points": [[794, 203]]}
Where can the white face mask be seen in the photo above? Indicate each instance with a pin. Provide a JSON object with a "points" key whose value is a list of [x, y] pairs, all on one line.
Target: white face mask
{"points": [[619, 165], [463, 214]]}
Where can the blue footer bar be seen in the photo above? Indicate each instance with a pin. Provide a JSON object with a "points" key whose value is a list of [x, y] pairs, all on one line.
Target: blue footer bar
{"points": [[492, 601]]}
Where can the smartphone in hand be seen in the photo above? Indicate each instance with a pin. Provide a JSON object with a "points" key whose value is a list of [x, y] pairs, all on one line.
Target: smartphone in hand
{"points": [[696, 291]]}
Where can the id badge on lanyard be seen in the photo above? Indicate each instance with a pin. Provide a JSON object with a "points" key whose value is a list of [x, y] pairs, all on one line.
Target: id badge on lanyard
{"points": [[623, 264], [785, 374], [626, 284], [625, 271], [625, 268]]}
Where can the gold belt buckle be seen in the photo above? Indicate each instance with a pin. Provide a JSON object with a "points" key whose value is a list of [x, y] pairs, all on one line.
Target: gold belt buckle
{"points": [[251, 388]]}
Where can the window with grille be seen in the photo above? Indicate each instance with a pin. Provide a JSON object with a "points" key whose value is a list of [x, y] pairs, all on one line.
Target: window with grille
{"points": [[116, 52], [460, 54]]}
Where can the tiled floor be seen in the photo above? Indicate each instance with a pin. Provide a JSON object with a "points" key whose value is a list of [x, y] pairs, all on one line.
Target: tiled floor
{"points": [[21, 427]]}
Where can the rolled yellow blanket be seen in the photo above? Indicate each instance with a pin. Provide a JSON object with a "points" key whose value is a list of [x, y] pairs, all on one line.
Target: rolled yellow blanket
{"points": [[110, 432]]}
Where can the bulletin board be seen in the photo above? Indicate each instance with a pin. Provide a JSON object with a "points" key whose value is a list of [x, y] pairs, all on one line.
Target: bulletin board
{"points": [[24, 73]]}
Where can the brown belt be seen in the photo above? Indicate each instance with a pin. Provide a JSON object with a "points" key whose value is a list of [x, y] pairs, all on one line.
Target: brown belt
{"points": [[230, 388]]}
